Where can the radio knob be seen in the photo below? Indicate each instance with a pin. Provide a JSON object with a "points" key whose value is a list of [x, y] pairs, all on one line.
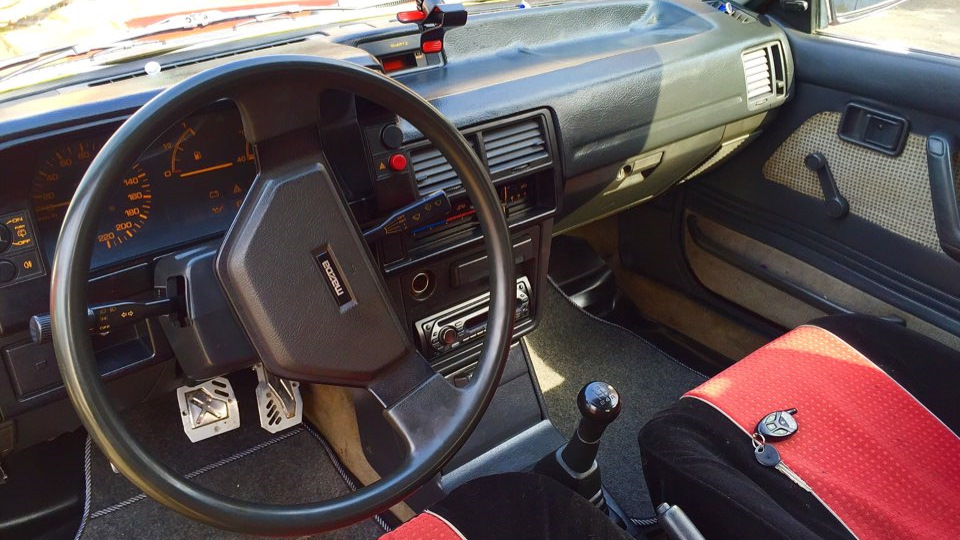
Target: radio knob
{"points": [[448, 335]]}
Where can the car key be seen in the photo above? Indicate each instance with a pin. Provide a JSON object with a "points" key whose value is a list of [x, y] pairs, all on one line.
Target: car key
{"points": [[767, 455], [778, 425]]}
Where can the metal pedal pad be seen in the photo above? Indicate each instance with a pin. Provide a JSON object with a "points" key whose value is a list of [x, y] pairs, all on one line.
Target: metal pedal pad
{"points": [[278, 401], [208, 409]]}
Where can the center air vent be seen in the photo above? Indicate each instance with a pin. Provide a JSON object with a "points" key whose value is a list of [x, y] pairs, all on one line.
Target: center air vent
{"points": [[515, 148], [764, 75], [432, 170], [509, 149]]}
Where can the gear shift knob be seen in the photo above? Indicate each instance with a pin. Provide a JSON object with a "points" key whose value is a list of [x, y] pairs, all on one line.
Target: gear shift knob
{"points": [[599, 403]]}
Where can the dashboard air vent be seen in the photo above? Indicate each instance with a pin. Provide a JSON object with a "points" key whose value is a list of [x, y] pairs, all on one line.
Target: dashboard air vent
{"points": [[726, 7], [515, 148], [432, 170], [509, 149], [764, 74]]}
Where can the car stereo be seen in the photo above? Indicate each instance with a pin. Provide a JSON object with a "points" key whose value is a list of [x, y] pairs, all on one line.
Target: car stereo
{"points": [[465, 322]]}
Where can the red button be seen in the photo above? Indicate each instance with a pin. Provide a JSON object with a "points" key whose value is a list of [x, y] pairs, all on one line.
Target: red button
{"points": [[432, 46], [398, 162], [411, 16]]}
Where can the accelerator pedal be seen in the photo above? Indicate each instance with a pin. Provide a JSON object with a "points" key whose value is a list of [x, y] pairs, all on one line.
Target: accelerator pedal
{"points": [[278, 401]]}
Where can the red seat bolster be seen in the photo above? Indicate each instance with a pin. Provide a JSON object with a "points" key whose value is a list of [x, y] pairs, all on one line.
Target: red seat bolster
{"points": [[425, 526]]}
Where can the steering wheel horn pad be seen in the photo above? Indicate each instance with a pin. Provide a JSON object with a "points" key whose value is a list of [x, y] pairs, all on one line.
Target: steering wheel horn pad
{"points": [[278, 101], [306, 290]]}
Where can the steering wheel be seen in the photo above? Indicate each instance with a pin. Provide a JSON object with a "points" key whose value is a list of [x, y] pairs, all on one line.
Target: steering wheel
{"points": [[295, 215]]}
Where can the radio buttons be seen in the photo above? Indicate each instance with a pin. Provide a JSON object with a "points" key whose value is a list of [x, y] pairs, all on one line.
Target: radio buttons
{"points": [[465, 323]]}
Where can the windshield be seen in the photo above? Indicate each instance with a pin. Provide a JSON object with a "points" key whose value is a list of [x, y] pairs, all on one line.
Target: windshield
{"points": [[29, 27], [48, 40], [33, 27]]}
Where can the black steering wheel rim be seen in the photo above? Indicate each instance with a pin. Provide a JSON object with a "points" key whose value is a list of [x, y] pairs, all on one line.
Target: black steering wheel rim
{"points": [[69, 296]]}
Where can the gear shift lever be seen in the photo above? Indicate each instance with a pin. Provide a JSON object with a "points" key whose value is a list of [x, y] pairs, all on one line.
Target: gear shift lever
{"points": [[575, 463], [599, 405]]}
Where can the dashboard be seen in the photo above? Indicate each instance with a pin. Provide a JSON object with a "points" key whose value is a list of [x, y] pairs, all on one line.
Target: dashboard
{"points": [[607, 109], [188, 185]]}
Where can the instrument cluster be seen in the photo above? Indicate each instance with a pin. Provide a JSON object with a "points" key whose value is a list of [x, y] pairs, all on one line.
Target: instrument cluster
{"points": [[188, 185]]}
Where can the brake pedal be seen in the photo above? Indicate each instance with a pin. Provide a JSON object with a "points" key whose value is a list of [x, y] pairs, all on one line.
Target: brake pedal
{"points": [[208, 409], [278, 401]]}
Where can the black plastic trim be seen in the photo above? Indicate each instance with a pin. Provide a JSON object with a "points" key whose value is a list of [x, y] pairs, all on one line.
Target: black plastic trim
{"points": [[943, 189], [855, 123], [841, 64]]}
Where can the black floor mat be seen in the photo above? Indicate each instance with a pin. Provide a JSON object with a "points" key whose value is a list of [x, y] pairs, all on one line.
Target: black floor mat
{"points": [[571, 348], [248, 463]]}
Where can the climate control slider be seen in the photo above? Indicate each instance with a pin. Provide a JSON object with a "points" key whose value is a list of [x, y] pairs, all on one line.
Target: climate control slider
{"points": [[426, 210]]}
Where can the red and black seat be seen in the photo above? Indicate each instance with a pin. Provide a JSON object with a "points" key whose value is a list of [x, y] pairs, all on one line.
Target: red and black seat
{"points": [[873, 451], [510, 505]]}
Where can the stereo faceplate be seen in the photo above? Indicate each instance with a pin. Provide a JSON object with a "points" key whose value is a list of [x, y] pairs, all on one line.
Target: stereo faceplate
{"points": [[464, 323]]}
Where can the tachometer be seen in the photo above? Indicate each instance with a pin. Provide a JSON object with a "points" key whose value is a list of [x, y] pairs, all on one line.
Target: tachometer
{"points": [[59, 173]]}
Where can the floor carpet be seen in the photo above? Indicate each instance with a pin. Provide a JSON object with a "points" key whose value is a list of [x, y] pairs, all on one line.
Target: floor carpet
{"points": [[571, 348], [248, 463]]}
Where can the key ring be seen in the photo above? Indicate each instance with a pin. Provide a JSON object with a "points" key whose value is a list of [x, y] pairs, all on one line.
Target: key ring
{"points": [[759, 441]]}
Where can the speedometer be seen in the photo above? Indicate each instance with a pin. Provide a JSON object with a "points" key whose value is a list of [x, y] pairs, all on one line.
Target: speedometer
{"points": [[129, 209], [186, 186], [56, 179]]}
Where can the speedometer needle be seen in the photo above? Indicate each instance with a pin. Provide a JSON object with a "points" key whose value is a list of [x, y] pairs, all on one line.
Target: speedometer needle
{"points": [[208, 169], [48, 207]]}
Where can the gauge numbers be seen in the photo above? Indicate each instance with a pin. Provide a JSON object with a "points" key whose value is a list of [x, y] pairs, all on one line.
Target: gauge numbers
{"points": [[129, 209], [187, 185], [218, 168], [56, 179]]}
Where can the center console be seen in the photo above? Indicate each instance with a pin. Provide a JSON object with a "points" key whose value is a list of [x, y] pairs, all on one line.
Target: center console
{"points": [[438, 275], [438, 271]]}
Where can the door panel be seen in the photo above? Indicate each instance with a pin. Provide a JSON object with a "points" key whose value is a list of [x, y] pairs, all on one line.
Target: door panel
{"points": [[891, 192], [766, 207]]}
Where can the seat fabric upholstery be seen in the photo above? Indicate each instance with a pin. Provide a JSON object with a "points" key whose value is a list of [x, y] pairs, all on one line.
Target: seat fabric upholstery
{"points": [[515, 505], [695, 457]]}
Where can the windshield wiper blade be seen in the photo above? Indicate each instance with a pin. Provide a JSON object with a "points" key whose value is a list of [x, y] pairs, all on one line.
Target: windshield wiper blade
{"points": [[175, 23]]}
